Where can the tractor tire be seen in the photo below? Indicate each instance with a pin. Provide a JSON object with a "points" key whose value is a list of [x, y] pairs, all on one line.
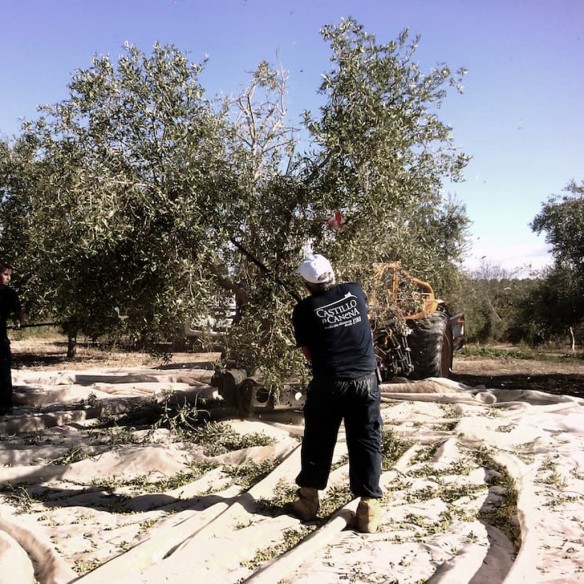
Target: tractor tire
{"points": [[431, 346]]}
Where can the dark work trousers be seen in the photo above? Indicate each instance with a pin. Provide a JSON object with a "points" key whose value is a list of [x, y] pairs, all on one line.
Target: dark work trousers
{"points": [[327, 404], [5, 375]]}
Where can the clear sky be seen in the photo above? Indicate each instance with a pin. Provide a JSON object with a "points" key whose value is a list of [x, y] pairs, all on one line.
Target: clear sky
{"points": [[520, 116]]}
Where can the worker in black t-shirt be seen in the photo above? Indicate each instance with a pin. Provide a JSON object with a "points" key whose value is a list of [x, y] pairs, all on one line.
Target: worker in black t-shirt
{"points": [[332, 329], [9, 306]]}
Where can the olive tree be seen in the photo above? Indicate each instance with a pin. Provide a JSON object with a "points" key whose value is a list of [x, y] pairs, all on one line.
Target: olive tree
{"points": [[121, 184], [263, 225], [383, 156], [379, 154], [137, 202], [140, 195]]}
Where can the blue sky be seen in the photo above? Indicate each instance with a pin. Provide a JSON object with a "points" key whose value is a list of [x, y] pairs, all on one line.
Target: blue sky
{"points": [[520, 116]]}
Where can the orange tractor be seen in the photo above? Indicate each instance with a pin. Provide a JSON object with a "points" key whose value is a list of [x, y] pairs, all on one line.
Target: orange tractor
{"points": [[414, 335]]}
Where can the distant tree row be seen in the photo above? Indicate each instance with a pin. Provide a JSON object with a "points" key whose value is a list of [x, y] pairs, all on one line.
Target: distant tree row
{"points": [[130, 197], [547, 308]]}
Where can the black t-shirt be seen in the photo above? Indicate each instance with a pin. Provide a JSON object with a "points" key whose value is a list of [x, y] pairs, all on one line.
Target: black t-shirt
{"points": [[9, 304], [335, 328]]}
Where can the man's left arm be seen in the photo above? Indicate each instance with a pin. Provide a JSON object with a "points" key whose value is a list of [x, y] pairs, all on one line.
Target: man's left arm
{"points": [[300, 334]]}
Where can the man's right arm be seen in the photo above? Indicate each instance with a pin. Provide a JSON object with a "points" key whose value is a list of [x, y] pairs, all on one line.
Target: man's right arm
{"points": [[18, 313], [19, 319]]}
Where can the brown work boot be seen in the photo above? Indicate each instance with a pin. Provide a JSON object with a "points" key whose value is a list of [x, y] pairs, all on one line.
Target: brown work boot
{"points": [[306, 505], [368, 515]]}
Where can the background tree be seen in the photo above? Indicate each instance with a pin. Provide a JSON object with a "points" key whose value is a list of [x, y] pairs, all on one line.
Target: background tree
{"points": [[559, 304], [497, 305], [562, 220], [539, 314]]}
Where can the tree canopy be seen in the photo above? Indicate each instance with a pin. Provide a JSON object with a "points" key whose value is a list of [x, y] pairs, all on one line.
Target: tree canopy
{"points": [[126, 198], [562, 219], [383, 154], [559, 305]]}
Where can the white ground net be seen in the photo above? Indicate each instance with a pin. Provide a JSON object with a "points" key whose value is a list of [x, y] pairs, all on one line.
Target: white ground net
{"points": [[489, 490]]}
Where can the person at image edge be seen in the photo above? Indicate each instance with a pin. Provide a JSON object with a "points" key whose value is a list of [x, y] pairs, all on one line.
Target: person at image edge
{"points": [[9, 306]]}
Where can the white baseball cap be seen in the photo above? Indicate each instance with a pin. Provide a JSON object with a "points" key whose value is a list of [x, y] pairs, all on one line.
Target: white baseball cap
{"points": [[316, 269]]}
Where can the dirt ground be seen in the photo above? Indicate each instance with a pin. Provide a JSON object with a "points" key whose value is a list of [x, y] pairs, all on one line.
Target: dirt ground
{"points": [[51, 353], [559, 375]]}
